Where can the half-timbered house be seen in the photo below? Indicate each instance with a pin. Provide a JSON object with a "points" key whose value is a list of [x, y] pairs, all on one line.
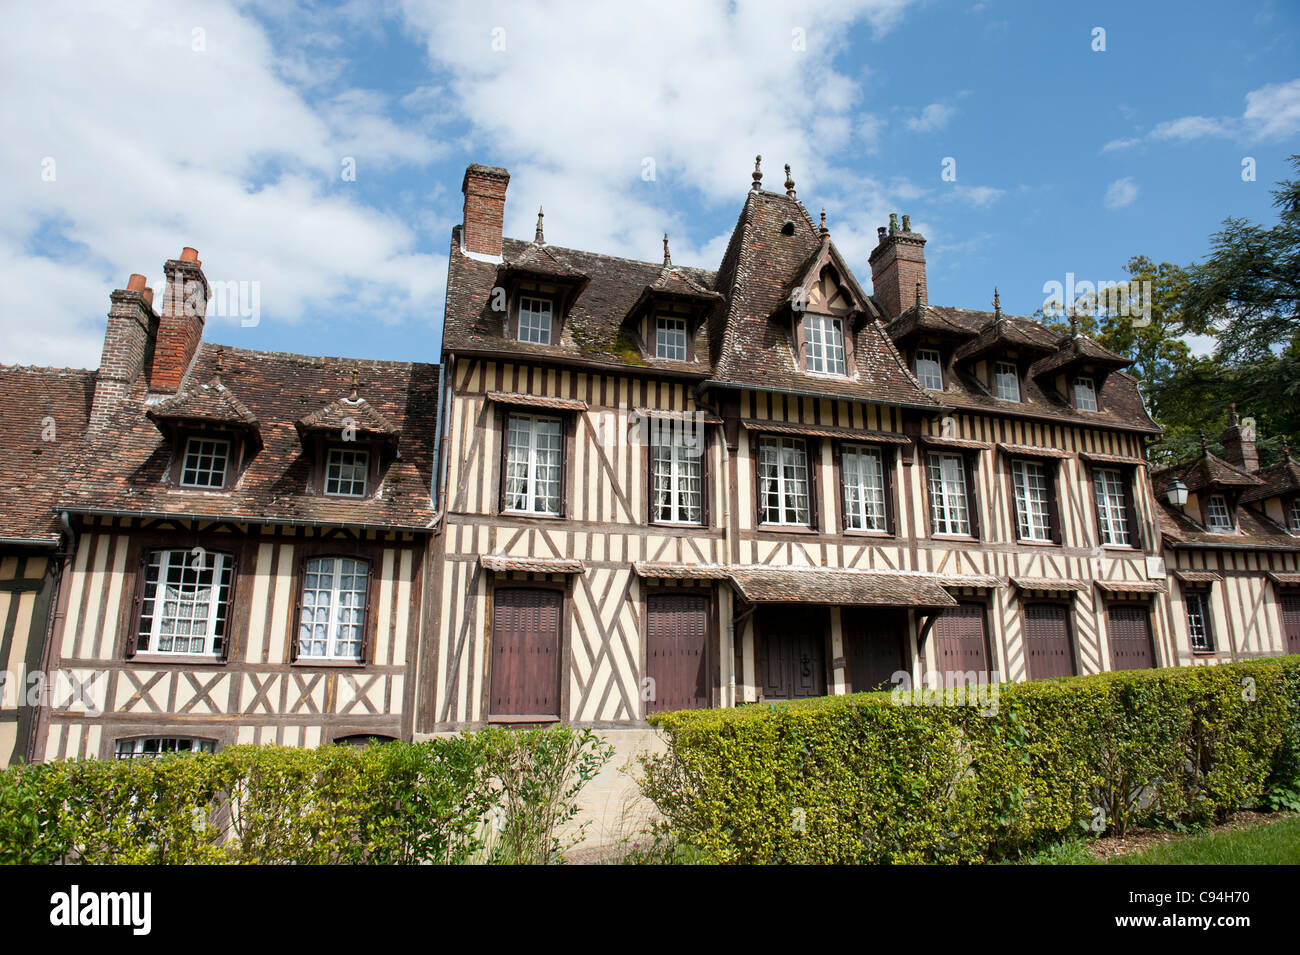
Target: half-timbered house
{"points": [[246, 537], [671, 487]]}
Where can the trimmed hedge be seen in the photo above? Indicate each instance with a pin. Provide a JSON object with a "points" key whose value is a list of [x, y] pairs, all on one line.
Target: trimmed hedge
{"points": [[447, 800], [862, 779]]}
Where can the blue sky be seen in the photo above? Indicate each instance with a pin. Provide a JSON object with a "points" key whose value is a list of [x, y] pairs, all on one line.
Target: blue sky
{"points": [[226, 126]]}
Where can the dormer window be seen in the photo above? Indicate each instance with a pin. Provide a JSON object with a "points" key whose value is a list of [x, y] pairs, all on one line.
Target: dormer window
{"points": [[346, 471], [1006, 381], [1295, 516], [1085, 394], [535, 320], [205, 464], [929, 368], [1218, 516], [670, 338], [823, 341]]}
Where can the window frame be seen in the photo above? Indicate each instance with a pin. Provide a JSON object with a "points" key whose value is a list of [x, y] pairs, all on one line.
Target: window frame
{"points": [[183, 462], [565, 450], [996, 375], [832, 323], [367, 613], [1200, 595], [657, 427], [812, 457], [551, 301], [655, 330], [1127, 483], [887, 463], [1291, 511], [967, 460], [351, 447], [134, 632], [205, 745], [1229, 512], [939, 360], [1092, 385]]}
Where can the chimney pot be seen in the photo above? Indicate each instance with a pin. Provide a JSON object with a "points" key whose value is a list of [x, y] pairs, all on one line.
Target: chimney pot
{"points": [[148, 296], [190, 255], [135, 283], [898, 267]]}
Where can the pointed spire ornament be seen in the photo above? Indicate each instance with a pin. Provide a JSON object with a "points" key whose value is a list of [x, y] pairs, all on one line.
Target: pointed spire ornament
{"points": [[1204, 446], [355, 380], [997, 305], [822, 230], [668, 259], [221, 364], [539, 238], [789, 182], [758, 173], [918, 293], [1286, 450]]}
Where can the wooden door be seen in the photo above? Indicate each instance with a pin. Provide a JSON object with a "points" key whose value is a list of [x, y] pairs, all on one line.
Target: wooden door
{"points": [[961, 639], [793, 655], [1128, 628], [525, 674], [874, 642], [1291, 620], [677, 651], [1047, 641]]}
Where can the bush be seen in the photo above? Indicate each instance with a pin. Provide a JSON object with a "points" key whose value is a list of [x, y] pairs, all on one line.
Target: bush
{"points": [[863, 779], [392, 803]]}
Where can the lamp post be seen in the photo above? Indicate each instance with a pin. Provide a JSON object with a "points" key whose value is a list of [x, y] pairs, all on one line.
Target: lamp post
{"points": [[1177, 493]]}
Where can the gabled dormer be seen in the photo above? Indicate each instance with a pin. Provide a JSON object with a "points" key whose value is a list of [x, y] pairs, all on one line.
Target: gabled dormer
{"points": [[537, 289], [668, 313], [999, 357], [211, 434], [1278, 496], [1214, 490], [349, 445], [1077, 371]]}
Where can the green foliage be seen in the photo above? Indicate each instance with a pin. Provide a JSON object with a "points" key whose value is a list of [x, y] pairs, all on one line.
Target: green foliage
{"points": [[1276, 842], [395, 803], [859, 779]]}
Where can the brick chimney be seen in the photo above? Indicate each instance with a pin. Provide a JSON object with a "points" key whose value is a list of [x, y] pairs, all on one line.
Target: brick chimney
{"points": [[128, 347], [180, 325], [897, 266], [1239, 443], [485, 208]]}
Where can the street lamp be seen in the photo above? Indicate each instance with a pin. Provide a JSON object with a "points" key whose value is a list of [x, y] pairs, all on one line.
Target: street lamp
{"points": [[1177, 493]]}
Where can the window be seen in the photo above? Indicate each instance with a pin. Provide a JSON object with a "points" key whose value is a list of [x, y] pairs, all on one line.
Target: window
{"points": [[929, 369], [678, 473], [333, 608], [1006, 381], [533, 464], [148, 746], [1085, 394], [864, 489], [783, 481], [346, 471], [534, 320], [185, 603], [205, 462], [949, 509], [823, 344], [1112, 508], [1198, 620], [670, 338], [1029, 481], [1217, 515], [1295, 515]]}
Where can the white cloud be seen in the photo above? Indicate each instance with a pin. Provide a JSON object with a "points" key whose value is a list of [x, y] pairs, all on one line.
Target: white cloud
{"points": [[1273, 111], [1115, 144], [157, 146], [1121, 193], [1190, 127], [978, 196], [933, 117]]}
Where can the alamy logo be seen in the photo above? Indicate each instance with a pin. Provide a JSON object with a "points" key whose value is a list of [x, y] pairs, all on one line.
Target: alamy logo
{"points": [[75, 907]]}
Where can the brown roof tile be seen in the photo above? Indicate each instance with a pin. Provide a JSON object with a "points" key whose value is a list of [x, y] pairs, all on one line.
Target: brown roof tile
{"points": [[820, 585], [1278, 479]]}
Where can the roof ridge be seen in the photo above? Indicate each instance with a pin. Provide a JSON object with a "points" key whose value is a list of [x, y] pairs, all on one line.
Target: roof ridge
{"points": [[609, 255], [321, 359], [53, 369]]}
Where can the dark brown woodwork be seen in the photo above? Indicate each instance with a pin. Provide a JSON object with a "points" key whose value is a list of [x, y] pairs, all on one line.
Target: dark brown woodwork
{"points": [[874, 642], [1128, 628], [961, 639], [525, 657], [793, 651], [1290, 601], [677, 651], [1048, 650]]}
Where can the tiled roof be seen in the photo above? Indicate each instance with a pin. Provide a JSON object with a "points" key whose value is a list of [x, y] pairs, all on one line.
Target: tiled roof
{"points": [[1197, 576], [531, 565], [1001, 334], [212, 403], [1254, 531], [1078, 349], [1278, 479], [1048, 583], [45, 415], [120, 466], [350, 414], [820, 585], [1207, 471]]}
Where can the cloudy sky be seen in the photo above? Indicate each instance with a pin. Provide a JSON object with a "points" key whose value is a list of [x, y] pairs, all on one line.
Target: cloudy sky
{"points": [[315, 152]]}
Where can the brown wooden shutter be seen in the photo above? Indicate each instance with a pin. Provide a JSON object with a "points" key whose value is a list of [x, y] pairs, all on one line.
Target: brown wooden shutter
{"points": [[706, 470], [295, 626], [568, 434], [961, 639], [754, 443], [368, 616], [1046, 634], [888, 461], [132, 640], [503, 430], [1128, 629], [229, 636], [972, 498], [1052, 469], [1129, 478], [813, 449]]}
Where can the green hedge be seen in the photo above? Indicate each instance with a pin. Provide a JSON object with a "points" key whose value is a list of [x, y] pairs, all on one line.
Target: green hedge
{"points": [[863, 779], [449, 800]]}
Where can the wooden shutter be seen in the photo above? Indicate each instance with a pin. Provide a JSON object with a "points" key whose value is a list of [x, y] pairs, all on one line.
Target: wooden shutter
{"points": [[524, 677], [972, 498], [369, 615], [229, 636], [677, 651], [1290, 601], [1128, 480], [961, 640], [1051, 469], [503, 430], [813, 450], [755, 451], [887, 465], [874, 641], [130, 644], [706, 470], [1046, 639], [1128, 629]]}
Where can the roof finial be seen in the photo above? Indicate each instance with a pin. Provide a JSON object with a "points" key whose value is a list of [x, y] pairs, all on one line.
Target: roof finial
{"points": [[1074, 324], [668, 259], [540, 239], [789, 182], [822, 230], [221, 365], [758, 173], [997, 305], [1204, 447], [1286, 449], [355, 383], [918, 293]]}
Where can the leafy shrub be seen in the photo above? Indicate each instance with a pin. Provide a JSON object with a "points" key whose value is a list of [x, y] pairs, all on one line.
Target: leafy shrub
{"points": [[861, 779]]}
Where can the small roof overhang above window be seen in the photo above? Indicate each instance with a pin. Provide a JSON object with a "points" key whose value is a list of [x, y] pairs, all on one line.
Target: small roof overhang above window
{"points": [[501, 564], [539, 264], [845, 588], [210, 407], [350, 419]]}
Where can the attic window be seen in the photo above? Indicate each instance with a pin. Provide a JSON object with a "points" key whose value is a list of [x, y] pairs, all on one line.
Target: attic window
{"points": [[1295, 516], [823, 344], [205, 463], [534, 320], [1006, 381], [345, 472], [1217, 515], [1085, 394], [788, 227], [929, 369], [670, 338]]}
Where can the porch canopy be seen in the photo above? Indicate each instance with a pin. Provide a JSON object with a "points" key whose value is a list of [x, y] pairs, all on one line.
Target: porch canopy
{"points": [[848, 588]]}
